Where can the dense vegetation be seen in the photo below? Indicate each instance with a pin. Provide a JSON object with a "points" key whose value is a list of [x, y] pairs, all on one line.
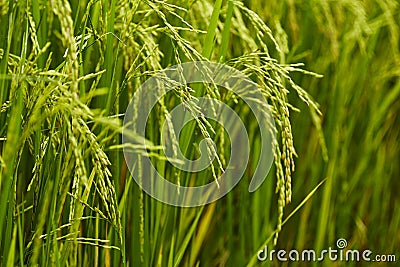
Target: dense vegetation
{"points": [[329, 70]]}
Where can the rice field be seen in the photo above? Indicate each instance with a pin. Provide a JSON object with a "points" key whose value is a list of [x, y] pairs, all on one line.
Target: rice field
{"points": [[326, 73]]}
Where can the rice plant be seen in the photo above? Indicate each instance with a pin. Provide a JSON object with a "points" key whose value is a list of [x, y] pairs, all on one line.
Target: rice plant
{"points": [[327, 70]]}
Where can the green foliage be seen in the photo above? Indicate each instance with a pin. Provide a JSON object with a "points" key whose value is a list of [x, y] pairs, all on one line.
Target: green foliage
{"points": [[68, 70]]}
